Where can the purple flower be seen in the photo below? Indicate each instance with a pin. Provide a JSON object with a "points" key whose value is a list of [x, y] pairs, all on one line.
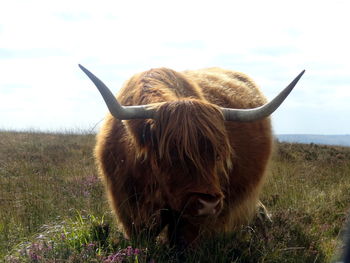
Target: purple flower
{"points": [[34, 256], [129, 251], [49, 246], [90, 181], [91, 245], [118, 257], [123, 254]]}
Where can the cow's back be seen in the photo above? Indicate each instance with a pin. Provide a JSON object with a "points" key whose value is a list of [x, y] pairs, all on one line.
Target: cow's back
{"points": [[226, 88]]}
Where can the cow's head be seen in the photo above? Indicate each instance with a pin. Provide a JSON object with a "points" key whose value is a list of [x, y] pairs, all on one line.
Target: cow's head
{"points": [[191, 155]]}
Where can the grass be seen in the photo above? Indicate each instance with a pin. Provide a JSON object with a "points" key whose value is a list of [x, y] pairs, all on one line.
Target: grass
{"points": [[53, 207]]}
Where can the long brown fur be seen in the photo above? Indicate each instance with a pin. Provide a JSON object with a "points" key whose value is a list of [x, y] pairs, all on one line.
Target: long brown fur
{"points": [[155, 169]]}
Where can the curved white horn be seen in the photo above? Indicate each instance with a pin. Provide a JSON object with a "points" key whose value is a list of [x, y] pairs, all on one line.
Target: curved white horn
{"points": [[248, 115], [118, 111]]}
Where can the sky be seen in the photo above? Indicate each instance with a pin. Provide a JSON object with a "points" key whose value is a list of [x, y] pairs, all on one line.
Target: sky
{"points": [[42, 43]]}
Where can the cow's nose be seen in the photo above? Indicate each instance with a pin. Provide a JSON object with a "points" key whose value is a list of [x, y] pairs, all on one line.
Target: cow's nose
{"points": [[200, 204], [209, 207]]}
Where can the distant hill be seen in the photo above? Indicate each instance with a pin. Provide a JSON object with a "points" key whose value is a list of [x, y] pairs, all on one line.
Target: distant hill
{"points": [[342, 140]]}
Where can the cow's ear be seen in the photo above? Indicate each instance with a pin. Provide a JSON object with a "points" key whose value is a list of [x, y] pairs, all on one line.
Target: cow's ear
{"points": [[146, 136]]}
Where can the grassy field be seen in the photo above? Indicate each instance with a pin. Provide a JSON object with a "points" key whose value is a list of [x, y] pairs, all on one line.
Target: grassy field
{"points": [[53, 207]]}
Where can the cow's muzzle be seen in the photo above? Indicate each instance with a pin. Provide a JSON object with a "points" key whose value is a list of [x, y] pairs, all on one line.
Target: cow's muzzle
{"points": [[202, 205]]}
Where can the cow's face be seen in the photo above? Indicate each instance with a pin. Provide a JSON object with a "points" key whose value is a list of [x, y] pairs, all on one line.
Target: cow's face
{"points": [[192, 155], [192, 189]]}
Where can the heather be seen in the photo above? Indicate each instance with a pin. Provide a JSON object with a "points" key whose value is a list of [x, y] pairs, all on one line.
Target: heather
{"points": [[53, 207]]}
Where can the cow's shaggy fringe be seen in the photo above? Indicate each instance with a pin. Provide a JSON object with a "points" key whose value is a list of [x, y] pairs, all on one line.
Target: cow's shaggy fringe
{"points": [[191, 127]]}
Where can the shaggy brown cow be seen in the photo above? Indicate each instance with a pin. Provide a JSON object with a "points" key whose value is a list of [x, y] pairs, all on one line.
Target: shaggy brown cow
{"points": [[191, 157]]}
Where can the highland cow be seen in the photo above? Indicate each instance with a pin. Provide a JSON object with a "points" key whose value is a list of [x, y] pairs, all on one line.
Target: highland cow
{"points": [[188, 151]]}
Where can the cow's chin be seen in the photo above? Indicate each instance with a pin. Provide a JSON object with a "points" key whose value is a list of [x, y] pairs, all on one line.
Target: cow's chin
{"points": [[201, 206]]}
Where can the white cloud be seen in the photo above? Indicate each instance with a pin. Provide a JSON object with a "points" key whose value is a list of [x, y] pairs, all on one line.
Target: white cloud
{"points": [[41, 43]]}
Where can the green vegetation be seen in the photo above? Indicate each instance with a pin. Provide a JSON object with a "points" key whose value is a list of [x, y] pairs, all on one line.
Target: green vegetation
{"points": [[53, 207]]}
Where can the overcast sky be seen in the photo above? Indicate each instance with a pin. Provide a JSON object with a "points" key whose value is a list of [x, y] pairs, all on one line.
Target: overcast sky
{"points": [[42, 42]]}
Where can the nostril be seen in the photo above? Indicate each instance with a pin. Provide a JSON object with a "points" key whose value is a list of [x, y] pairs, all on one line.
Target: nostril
{"points": [[218, 207], [209, 207]]}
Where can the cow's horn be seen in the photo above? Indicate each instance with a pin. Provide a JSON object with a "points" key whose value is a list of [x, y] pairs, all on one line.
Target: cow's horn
{"points": [[248, 115], [118, 111]]}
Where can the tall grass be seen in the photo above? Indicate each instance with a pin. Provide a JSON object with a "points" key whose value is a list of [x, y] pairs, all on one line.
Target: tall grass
{"points": [[44, 178], [53, 207]]}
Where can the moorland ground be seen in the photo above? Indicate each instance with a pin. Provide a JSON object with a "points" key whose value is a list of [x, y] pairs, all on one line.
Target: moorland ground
{"points": [[53, 207]]}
